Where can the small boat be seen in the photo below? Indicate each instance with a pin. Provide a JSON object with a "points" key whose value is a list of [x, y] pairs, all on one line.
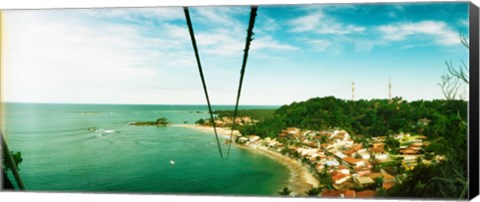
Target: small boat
{"points": [[172, 162]]}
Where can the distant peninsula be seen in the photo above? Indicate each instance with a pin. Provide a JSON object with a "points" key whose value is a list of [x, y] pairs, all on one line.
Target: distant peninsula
{"points": [[159, 122]]}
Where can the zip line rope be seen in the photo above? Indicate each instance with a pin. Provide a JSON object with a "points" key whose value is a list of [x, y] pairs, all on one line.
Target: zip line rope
{"points": [[253, 14], [195, 49], [249, 39]]}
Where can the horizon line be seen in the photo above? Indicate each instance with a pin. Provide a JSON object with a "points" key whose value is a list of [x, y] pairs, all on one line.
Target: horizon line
{"points": [[223, 104], [92, 103]]}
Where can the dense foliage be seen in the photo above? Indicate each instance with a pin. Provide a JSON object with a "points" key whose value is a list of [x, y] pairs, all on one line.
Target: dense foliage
{"points": [[257, 114], [443, 122], [159, 122], [6, 166], [367, 117], [17, 158], [442, 180]]}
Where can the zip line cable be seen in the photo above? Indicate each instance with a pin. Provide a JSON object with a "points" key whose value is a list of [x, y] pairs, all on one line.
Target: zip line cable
{"points": [[195, 49], [253, 14], [10, 161]]}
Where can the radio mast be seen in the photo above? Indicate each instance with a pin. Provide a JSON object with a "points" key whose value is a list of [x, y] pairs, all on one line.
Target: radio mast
{"points": [[353, 90], [389, 88]]}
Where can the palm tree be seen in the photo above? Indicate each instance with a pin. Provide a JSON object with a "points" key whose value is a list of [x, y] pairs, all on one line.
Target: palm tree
{"points": [[315, 191], [285, 191]]}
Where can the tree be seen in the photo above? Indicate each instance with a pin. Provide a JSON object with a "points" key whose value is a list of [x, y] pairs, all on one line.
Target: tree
{"points": [[381, 192], [162, 121], [285, 191], [460, 73], [441, 180], [159, 122], [200, 122], [450, 86], [315, 191], [325, 178], [450, 82], [379, 182], [17, 158], [392, 145], [463, 71]]}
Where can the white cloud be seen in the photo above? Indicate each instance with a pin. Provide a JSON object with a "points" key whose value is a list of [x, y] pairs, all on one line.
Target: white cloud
{"points": [[392, 14], [318, 22], [427, 31], [438, 30], [132, 14], [270, 24], [306, 23], [226, 36], [220, 42], [49, 59], [221, 17], [399, 7], [464, 22], [320, 45], [267, 42], [121, 56]]}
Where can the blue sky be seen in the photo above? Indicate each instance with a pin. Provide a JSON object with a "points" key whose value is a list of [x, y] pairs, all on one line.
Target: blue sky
{"points": [[144, 55]]}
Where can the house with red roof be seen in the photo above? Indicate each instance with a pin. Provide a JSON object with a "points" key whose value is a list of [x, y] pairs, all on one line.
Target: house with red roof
{"points": [[339, 193], [340, 178], [363, 171], [350, 152], [388, 185], [343, 169], [350, 161], [365, 194], [408, 151]]}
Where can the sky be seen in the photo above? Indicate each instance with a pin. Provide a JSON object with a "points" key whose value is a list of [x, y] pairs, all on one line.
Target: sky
{"points": [[145, 56]]}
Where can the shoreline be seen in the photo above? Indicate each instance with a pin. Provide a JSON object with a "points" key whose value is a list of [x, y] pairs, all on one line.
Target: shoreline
{"points": [[300, 179], [222, 132]]}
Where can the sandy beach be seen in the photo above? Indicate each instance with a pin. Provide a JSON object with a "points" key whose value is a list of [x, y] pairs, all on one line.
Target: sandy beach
{"points": [[300, 181], [224, 132]]}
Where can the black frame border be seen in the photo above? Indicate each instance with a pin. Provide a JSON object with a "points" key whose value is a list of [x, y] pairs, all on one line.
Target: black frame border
{"points": [[473, 125]]}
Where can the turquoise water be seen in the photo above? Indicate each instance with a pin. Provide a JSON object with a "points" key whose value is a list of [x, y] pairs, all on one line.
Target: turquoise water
{"points": [[91, 148]]}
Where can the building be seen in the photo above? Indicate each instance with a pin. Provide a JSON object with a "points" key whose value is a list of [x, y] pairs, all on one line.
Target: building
{"points": [[363, 171], [343, 169], [408, 151], [364, 181], [340, 155], [364, 153], [243, 139], [291, 131], [339, 193], [388, 180], [340, 178], [350, 161], [388, 185], [254, 138], [365, 194]]}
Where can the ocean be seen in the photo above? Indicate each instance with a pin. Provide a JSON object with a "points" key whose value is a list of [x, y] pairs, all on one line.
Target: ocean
{"points": [[92, 148]]}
